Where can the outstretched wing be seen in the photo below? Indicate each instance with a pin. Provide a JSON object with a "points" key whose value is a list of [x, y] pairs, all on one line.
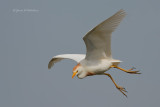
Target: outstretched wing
{"points": [[98, 40], [75, 57]]}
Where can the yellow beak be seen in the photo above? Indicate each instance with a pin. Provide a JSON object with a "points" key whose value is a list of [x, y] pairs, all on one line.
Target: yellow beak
{"points": [[74, 73]]}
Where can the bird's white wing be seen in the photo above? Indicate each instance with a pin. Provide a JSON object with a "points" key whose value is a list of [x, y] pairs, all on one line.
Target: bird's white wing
{"points": [[75, 57], [98, 40]]}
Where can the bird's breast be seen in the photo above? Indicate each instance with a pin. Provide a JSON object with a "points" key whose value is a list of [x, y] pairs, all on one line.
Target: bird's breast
{"points": [[97, 67]]}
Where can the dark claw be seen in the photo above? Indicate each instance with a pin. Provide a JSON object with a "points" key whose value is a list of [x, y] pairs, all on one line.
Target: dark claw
{"points": [[125, 90], [122, 90], [134, 72]]}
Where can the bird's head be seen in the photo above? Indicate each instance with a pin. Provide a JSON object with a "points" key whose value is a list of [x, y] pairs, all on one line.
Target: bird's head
{"points": [[79, 71]]}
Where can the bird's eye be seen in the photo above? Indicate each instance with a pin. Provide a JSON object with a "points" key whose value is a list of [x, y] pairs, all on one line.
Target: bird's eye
{"points": [[77, 71]]}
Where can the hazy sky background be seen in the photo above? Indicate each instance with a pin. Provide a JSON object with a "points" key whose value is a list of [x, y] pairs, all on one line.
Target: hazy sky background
{"points": [[29, 39]]}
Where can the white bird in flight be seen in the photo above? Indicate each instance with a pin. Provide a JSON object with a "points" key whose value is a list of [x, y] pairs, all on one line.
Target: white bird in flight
{"points": [[98, 58]]}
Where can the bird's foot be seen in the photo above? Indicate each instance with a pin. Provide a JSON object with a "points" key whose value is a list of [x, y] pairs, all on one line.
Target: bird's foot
{"points": [[122, 90], [132, 72], [127, 71]]}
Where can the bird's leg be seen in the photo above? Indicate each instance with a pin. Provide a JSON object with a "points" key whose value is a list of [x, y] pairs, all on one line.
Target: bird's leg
{"points": [[127, 71], [121, 89]]}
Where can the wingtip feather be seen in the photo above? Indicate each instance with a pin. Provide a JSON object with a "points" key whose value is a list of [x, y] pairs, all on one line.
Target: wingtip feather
{"points": [[50, 64]]}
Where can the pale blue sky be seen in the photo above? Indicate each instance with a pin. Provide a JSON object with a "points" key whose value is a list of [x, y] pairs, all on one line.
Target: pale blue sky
{"points": [[29, 39]]}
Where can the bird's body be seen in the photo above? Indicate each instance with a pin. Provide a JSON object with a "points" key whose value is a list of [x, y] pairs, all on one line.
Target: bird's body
{"points": [[97, 67], [98, 58]]}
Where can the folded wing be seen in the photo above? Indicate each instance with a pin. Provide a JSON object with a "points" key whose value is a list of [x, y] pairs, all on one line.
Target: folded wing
{"points": [[98, 40], [75, 57]]}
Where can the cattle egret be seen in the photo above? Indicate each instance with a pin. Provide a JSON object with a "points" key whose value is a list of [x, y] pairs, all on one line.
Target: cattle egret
{"points": [[98, 58]]}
